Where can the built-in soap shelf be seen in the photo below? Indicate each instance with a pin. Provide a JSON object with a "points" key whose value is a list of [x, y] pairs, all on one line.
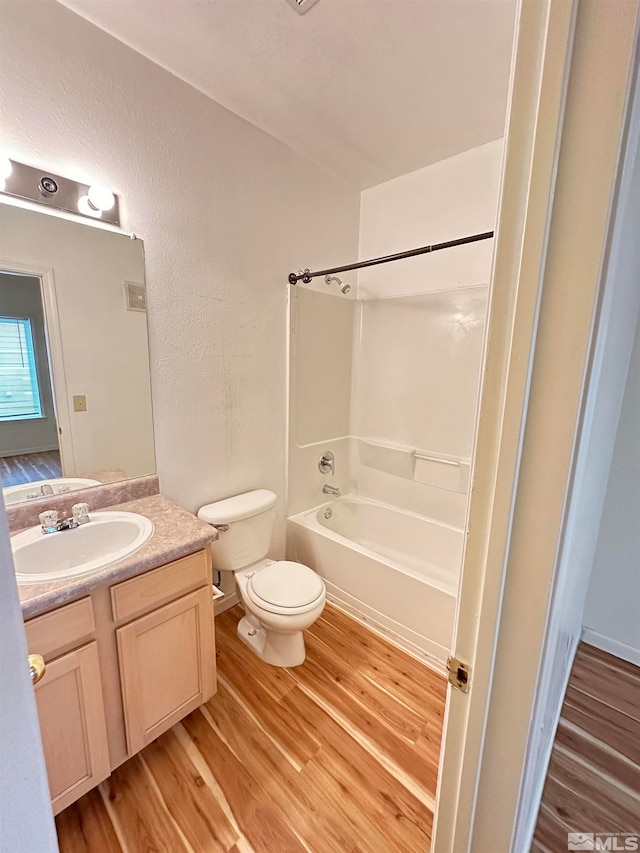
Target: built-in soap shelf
{"points": [[431, 468]]}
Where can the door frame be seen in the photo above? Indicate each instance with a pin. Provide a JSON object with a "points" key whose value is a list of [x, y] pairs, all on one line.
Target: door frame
{"points": [[26, 816], [58, 377], [567, 110]]}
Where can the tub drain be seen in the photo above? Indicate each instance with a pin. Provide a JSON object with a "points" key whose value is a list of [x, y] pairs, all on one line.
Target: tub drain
{"points": [[328, 513]]}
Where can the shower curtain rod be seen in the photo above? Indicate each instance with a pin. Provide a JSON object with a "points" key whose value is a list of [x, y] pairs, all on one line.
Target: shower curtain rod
{"points": [[306, 275]]}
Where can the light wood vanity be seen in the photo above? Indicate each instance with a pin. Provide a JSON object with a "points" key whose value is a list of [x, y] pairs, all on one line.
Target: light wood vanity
{"points": [[123, 664]]}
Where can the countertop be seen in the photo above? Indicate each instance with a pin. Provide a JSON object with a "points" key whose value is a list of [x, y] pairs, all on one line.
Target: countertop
{"points": [[177, 533]]}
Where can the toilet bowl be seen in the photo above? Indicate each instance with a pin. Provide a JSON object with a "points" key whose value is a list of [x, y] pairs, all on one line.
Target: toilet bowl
{"points": [[281, 599]]}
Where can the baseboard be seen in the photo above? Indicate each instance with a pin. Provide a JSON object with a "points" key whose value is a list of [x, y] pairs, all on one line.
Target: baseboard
{"points": [[614, 647], [229, 600], [551, 689], [369, 617], [27, 451]]}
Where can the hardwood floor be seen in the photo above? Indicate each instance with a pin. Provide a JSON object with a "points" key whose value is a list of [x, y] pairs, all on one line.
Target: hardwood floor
{"points": [[339, 755], [593, 782], [30, 467]]}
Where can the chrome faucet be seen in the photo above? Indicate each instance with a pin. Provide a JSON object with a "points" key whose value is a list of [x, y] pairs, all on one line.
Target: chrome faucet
{"points": [[43, 491], [51, 524], [331, 490], [327, 463]]}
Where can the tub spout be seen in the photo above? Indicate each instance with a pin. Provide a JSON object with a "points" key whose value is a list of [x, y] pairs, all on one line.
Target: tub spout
{"points": [[331, 490]]}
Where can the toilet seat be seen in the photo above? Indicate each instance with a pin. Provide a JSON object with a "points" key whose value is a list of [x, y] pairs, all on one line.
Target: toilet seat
{"points": [[285, 587]]}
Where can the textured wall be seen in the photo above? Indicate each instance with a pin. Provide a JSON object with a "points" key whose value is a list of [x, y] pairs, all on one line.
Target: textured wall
{"points": [[225, 211]]}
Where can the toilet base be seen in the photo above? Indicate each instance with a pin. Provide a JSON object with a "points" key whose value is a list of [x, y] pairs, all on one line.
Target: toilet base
{"points": [[276, 649]]}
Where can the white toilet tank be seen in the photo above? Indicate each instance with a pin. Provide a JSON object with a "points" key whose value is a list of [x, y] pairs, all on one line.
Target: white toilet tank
{"points": [[250, 519]]}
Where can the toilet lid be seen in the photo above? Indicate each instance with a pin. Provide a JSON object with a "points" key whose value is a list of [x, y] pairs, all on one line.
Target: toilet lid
{"points": [[287, 584]]}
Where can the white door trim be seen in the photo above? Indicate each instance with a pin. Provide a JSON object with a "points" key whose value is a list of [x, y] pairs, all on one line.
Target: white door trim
{"points": [[618, 313], [26, 816], [559, 185], [56, 359], [542, 53]]}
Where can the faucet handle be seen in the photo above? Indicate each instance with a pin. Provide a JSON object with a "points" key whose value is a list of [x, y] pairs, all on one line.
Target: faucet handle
{"points": [[80, 512], [326, 464], [48, 519]]}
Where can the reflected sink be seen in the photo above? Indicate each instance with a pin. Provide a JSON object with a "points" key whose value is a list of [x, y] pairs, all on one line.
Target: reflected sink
{"points": [[29, 491], [108, 538]]}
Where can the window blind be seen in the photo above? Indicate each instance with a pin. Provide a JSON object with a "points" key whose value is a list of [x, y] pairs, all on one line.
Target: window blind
{"points": [[19, 392]]}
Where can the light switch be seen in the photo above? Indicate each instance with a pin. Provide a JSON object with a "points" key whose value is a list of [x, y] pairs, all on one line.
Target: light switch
{"points": [[79, 403]]}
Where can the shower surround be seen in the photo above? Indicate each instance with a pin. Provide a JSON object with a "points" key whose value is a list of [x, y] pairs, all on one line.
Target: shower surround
{"points": [[387, 379]]}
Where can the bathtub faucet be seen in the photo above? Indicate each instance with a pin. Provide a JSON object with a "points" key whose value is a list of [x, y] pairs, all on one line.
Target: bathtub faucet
{"points": [[331, 490]]}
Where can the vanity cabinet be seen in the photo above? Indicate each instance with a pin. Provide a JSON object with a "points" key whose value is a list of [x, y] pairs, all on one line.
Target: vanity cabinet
{"points": [[73, 726], [70, 701], [122, 666], [166, 666]]}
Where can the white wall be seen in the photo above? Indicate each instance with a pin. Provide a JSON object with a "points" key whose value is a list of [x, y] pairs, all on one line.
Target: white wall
{"points": [[612, 610], [104, 346], [226, 212], [418, 357], [453, 198], [401, 365], [322, 328]]}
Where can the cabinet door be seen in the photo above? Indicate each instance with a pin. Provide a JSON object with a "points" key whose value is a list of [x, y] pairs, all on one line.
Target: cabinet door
{"points": [[167, 666], [72, 722]]}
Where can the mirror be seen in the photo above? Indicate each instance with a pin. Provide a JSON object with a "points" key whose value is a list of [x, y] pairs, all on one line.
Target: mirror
{"points": [[75, 395]]}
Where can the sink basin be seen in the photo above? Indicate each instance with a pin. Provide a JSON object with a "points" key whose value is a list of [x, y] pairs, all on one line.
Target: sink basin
{"points": [[28, 491], [108, 538]]}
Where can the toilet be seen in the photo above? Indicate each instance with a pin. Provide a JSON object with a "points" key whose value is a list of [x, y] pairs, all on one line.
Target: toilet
{"points": [[281, 598]]}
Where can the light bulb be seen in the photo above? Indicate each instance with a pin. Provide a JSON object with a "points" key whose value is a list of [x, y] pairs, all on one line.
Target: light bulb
{"points": [[84, 206], [6, 167], [101, 197]]}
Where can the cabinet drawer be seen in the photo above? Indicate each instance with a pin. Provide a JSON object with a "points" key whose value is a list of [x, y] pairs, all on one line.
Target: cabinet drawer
{"points": [[140, 594], [60, 630]]}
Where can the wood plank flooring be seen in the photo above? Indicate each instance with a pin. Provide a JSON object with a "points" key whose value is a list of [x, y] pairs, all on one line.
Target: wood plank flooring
{"points": [[339, 755], [593, 782], [29, 467]]}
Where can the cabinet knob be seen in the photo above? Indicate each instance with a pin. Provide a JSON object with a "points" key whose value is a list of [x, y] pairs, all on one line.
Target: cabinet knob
{"points": [[37, 667]]}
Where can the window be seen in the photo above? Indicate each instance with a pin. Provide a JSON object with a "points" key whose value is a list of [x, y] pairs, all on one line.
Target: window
{"points": [[19, 392]]}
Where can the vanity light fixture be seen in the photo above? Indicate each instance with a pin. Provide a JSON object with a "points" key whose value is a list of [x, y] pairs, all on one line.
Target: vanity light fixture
{"points": [[96, 201], [87, 209], [100, 198], [25, 182]]}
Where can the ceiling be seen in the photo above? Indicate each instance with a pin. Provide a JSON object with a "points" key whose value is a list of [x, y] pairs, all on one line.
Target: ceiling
{"points": [[370, 89]]}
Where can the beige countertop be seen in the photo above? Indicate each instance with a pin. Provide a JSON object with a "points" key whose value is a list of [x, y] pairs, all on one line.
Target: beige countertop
{"points": [[176, 534]]}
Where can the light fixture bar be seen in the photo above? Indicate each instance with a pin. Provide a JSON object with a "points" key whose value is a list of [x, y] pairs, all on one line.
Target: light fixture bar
{"points": [[53, 190]]}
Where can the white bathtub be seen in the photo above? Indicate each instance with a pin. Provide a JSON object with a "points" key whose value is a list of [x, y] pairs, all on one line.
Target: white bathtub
{"points": [[398, 569]]}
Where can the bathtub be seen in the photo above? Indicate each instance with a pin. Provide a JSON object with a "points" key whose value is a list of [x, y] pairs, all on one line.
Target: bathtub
{"points": [[396, 569]]}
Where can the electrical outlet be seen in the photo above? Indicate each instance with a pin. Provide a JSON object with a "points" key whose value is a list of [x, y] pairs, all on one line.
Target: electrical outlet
{"points": [[79, 403]]}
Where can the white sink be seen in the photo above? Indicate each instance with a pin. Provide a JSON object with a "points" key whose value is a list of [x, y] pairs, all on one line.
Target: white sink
{"points": [[29, 491], [108, 538]]}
